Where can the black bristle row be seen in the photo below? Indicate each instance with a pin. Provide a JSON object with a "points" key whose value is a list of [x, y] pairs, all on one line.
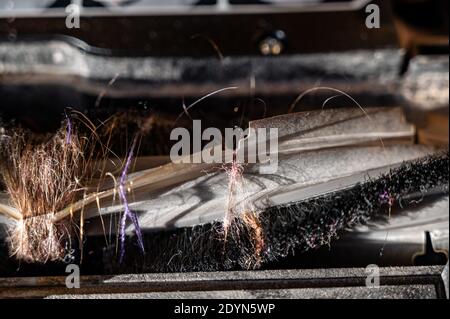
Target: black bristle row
{"points": [[286, 229]]}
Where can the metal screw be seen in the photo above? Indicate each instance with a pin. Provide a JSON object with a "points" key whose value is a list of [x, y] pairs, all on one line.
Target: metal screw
{"points": [[272, 44]]}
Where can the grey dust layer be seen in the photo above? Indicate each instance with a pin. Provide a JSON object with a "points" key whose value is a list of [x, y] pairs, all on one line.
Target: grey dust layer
{"points": [[204, 199], [372, 73], [396, 282]]}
